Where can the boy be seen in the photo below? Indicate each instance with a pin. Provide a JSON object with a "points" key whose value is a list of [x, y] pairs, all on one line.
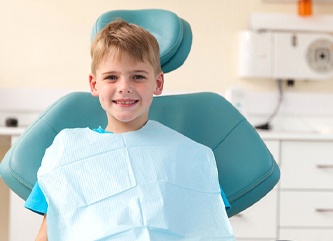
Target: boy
{"points": [[128, 181]]}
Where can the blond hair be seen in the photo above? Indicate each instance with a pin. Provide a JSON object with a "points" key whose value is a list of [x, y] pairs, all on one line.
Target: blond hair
{"points": [[120, 37]]}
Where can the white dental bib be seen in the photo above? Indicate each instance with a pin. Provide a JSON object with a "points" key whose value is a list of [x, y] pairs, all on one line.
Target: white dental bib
{"points": [[153, 184]]}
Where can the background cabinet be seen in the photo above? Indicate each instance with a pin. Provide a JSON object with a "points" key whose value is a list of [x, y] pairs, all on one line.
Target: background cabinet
{"points": [[301, 205], [306, 190]]}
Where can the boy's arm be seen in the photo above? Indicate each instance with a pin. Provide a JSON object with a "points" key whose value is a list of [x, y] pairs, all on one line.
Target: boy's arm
{"points": [[36, 201], [42, 234]]}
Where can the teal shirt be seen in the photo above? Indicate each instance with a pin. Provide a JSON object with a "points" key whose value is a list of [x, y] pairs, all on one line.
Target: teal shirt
{"points": [[36, 201]]}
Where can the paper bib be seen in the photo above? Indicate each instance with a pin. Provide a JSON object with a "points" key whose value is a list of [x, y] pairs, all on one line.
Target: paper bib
{"points": [[150, 184]]}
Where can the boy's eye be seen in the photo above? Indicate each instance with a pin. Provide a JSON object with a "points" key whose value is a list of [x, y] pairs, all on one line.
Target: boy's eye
{"points": [[138, 77], [111, 77]]}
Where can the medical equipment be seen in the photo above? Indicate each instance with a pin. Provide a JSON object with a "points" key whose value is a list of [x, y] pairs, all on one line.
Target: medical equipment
{"points": [[284, 46]]}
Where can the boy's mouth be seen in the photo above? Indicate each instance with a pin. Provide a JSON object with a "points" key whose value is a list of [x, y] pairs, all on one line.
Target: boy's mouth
{"points": [[125, 102]]}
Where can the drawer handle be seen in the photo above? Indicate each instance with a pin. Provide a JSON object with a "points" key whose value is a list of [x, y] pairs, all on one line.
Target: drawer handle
{"points": [[324, 210], [325, 166]]}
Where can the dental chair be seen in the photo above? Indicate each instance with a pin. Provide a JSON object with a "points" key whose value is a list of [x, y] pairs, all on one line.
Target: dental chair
{"points": [[247, 170]]}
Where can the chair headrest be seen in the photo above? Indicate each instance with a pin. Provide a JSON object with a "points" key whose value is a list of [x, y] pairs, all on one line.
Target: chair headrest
{"points": [[173, 34]]}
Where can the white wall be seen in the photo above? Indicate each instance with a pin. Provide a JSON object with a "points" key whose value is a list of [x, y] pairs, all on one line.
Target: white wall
{"points": [[45, 44]]}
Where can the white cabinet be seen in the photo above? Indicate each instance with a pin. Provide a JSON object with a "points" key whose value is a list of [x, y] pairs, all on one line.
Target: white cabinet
{"points": [[300, 207], [306, 190], [307, 234], [306, 165], [306, 209]]}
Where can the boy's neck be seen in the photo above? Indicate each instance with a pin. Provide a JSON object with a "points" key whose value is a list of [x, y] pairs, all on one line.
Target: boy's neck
{"points": [[122, 127]]}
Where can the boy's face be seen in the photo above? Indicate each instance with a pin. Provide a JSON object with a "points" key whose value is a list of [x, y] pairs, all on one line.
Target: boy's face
{"points": [[125, 89]]}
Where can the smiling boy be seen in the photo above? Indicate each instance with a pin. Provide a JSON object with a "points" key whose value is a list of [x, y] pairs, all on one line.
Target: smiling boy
{"points": [[136, 179], [125, 79]]}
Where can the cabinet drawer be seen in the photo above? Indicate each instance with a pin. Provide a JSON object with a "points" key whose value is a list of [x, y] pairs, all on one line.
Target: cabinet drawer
{"points": [[306, 165], [306, 209], [306, 234], [258, 221]]}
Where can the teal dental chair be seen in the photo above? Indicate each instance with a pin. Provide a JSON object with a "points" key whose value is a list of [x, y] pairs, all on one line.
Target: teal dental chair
{"points": [[247, 170]]}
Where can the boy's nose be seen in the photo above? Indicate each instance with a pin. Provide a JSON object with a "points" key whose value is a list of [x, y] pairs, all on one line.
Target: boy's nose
{"points": [[125, 87]]}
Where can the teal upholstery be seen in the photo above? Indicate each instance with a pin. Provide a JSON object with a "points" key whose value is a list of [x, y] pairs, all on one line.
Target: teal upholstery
{"points": [[173, 34], [247, 171]]}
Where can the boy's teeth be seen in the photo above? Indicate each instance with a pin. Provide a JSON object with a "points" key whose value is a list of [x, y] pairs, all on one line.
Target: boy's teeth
{"points": [[125, 102]]}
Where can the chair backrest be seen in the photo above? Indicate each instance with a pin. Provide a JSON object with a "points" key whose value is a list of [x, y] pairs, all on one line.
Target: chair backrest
{"points": [[247, 171], [173, 34]]}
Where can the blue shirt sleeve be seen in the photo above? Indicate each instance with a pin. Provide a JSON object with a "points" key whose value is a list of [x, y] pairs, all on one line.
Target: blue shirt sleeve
{"points": [[36, 201], [225, 200]]}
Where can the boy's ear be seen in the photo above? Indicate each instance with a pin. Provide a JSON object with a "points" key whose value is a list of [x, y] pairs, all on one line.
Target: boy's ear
{"points": [[92, 83], [159, 84]]}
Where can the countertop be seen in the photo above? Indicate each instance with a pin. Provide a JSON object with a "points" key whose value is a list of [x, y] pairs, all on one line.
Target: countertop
{"points": [[11, 131], [296, 135]]}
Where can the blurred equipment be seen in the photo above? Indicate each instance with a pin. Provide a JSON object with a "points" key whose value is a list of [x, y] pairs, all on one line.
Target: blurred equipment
{"points": [[285, 46]]}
